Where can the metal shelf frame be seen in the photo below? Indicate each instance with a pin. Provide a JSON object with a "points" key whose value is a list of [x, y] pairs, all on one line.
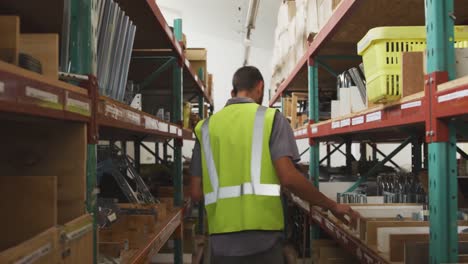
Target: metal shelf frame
{"points": [[29, 95], [434, 118]]}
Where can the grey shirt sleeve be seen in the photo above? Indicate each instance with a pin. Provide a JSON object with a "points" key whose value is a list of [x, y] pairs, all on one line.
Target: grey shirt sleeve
{"points": [[196, 164], [282, 144], [282, 141]]}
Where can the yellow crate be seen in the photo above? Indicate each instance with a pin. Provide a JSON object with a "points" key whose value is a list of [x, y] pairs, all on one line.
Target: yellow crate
{"points": [[382, 49]]}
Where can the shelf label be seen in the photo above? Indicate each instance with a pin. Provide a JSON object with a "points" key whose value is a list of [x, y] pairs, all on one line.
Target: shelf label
{"points": [[113, 111], [164, 127], [79, 232], [453, 96], [317, 218], [187, 62], [411, 105], [179, 132], [193, 136], [196, 78], [112, 217], [40, 252], [41, 95], [335, 124], [151, 123], [372, 117], [314, 130], [345, 122], [134, 117], [357, 120], [2, 87], [173, 129], [329, 226], [78, 104]]}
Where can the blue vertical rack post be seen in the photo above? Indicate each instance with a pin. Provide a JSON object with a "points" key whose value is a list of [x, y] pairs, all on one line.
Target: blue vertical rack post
{"points": [[177, 118], [314, 151], [81, 52], [441, 135]]}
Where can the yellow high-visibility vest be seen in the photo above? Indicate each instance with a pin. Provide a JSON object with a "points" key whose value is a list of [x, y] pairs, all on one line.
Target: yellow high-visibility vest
{"points": [[240, 185]]}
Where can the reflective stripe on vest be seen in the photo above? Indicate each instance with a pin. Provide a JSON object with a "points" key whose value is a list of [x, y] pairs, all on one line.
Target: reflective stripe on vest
{"points": [[253, 187]]}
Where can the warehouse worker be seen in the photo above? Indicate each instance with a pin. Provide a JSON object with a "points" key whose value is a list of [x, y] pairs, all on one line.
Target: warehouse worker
{"points": [[243, 154]]}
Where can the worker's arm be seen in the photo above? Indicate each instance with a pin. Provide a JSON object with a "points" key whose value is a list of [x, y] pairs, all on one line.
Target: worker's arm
{"points": [[196, 190], [291, 179]]}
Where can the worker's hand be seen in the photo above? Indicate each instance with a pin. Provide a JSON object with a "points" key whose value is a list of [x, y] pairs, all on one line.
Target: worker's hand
{"points": [[340, 211]]}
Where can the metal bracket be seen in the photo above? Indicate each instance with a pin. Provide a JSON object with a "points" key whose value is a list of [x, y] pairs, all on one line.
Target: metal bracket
{"points": [[436, 130], [93, 130]]}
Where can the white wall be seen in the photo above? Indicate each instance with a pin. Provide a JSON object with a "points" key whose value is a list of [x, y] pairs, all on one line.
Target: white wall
{"points": [[207, 28], [225, 53]]}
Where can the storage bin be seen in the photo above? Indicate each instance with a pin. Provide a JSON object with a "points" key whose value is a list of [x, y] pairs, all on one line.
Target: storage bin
{"points": [[382, 49]]}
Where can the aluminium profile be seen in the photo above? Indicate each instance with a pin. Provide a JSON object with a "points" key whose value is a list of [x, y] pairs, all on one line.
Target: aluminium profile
{"points": [[110, 59], [127, 59], [65, 37], [104, 46], [118, 53]]}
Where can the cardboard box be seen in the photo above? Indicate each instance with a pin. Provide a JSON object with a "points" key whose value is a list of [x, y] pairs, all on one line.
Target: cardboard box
{"points": [[9, 42], [357, 104], [31, 206], [325, 10], [45, 48], [210, 85], [41, 249], [412, 73], [76, 241], [197, 58], [335, 109], [328, 251], [345, 101]]}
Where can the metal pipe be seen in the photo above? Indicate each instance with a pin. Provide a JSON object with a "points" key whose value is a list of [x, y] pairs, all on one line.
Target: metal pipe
{"points": [[252, 12]]}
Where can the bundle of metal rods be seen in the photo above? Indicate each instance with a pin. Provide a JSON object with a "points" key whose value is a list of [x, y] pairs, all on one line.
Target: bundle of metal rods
{"points": [[115, 36], [401, 188]]}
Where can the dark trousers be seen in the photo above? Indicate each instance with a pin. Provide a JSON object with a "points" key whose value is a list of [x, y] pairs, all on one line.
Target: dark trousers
{"points": [[274, 255]]}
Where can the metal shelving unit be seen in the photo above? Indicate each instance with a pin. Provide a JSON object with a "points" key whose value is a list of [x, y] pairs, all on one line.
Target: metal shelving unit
{"points": [[108, 119], [437, 116]]}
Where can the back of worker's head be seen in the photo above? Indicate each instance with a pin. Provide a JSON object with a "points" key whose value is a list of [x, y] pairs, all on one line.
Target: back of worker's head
{"points": [[248, 80]]}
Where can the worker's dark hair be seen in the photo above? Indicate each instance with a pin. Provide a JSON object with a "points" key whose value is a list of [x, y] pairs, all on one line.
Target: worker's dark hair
{"points": [[246, 78]]}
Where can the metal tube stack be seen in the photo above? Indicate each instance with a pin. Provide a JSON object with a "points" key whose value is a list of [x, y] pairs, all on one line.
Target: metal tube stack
{"points": [[116, 34]]}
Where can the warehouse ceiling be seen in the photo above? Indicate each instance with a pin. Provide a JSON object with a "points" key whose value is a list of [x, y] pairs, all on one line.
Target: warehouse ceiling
{"points": [[226, 18]]}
